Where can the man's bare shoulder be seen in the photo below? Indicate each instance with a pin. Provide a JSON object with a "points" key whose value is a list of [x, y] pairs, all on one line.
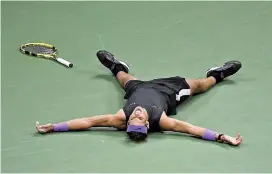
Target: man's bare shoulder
{"points": [[120, 119], [166, 123]]}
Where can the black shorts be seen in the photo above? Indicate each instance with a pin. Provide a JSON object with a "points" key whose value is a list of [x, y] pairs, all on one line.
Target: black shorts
{"points": [[176, 87]]}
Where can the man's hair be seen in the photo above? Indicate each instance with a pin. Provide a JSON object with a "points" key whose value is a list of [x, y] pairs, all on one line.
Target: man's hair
{"points": [[137, 136]]}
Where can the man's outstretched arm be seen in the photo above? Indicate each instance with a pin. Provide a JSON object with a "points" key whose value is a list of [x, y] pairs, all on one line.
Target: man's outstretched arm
{"points": [[171, 124], [111, 120]]}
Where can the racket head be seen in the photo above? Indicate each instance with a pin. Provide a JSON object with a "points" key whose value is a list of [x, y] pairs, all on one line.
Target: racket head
{"points": [[39, 49]]}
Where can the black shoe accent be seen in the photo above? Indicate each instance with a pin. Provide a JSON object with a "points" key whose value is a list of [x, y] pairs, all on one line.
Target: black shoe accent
{"points": [[109, 61], [228, 69]]}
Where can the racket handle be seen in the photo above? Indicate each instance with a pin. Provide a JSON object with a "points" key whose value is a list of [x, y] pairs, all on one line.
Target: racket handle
{"points": [[64, 62]]}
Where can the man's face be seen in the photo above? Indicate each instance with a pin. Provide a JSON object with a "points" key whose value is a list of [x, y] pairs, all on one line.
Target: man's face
{"points": [[139, 117]]}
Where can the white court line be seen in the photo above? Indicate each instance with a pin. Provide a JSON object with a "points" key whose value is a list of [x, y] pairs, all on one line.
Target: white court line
{"points": [[30, 141], [26, 154], [61, 101], [23, 141], [160, 28], [100, 41], [12, 148], [179, 21]]}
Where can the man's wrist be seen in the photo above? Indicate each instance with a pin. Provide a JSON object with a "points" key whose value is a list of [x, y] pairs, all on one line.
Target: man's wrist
{"points": [[219, 137], [52, 128], [60, 127]]}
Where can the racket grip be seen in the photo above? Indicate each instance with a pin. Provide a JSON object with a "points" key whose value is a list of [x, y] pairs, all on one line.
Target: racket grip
{"points": [[64, 62]]}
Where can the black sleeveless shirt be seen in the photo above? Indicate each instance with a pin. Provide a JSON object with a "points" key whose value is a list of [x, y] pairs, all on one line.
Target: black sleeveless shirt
{"points": [[154, 101]]}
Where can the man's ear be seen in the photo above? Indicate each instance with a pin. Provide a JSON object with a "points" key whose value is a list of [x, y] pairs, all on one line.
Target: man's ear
{"points": [[147, 124]]}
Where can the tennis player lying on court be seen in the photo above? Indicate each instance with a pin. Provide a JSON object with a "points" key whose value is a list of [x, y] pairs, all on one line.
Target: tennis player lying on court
{"points": [[149, 104]]}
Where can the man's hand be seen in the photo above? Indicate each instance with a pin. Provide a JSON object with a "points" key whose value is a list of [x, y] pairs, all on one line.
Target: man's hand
{"points": [[44, 128], [235, 141]]}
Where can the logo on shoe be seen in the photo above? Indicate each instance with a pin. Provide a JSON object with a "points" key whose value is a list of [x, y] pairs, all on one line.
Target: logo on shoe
{"points": [[222, 75]]}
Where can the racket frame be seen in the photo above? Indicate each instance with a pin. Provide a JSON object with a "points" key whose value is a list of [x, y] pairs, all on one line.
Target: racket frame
{"points": [[52, 56]]}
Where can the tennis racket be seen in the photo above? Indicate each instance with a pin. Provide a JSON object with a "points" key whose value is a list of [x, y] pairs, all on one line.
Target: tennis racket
{"points": [[44, 50]]}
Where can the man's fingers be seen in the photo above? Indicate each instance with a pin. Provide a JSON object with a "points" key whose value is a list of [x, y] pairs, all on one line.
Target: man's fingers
{"points": [[233, 140], [40, 128], [223, 138], [45, 126], [37, 125], [240, 138], [238, 135]]}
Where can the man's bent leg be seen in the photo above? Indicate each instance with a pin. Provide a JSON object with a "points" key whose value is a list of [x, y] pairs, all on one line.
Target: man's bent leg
{"points": [[124, 77], [118, 68], [198, 86], [214, 75]]}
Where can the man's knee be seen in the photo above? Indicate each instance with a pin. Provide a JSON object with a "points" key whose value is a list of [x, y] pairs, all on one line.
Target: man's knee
{"points": [[194, 85], [200, 85], [123, 78], [127, 82]]}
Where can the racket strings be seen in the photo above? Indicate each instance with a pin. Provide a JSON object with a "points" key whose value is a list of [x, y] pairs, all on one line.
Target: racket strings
{"points": [[38, 49]]}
